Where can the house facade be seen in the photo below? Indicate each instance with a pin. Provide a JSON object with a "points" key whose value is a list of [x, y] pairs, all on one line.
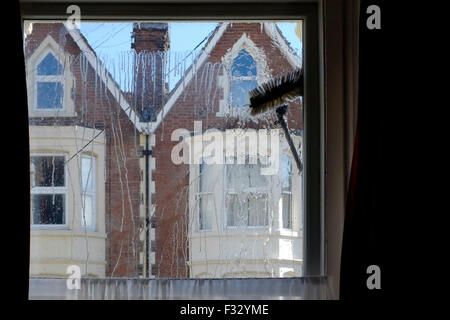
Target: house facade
{"points": [[85, 160], [226, 219]]}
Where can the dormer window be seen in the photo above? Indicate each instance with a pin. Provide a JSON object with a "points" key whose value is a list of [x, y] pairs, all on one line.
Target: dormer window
{"points": [[49, 83], [243, 78], [246, 68]]}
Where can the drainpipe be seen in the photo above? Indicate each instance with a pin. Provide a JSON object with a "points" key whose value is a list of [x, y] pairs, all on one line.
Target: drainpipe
{"points": [[147, 153]]}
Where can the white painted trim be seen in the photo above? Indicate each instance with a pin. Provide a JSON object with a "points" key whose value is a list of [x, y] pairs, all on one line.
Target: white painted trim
{"points": [[53, 78], [293, 59], [52, 190], [92, 192], [49, 45], [262, 75]]}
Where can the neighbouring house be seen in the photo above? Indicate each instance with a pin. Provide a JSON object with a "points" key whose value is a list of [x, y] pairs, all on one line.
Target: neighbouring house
{"points": [[105, 192], [227, 220], [85, 160]]}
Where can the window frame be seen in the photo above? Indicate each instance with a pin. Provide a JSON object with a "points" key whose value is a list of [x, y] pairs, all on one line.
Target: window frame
{"points": [[313, 100], [226, 107], [241, 78], [290, 192], [199, 193], [48, 78], [92, 193], [48, 190]]}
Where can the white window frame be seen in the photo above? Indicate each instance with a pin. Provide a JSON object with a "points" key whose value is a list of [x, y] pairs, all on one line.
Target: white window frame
{"points": [[92, 193], [53, 78], [262, 75], [197, 198], [67, 79], [241, 78], [52, 190], [290, 192]]}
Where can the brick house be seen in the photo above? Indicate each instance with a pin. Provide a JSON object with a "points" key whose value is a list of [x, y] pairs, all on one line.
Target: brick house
{"points": [[85, 160], [193, 240]]}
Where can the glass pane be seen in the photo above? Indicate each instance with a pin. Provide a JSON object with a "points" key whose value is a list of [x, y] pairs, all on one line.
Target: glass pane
{"points": [[49, 95], [47, 171], [257, 180], [240, 91], [237, 177], [243, 65], [49, 66], [131, 102], [208, 177], [87, 217], [237, 211], [87, 173], [286, 172], [287, 220], [206, 211], [257, 211], [48, 208]]}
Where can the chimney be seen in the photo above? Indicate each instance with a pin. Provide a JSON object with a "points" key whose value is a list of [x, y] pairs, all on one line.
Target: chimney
{"points": [[150, 41]]}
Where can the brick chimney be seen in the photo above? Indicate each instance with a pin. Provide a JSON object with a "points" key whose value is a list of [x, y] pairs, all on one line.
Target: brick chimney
{"points": [[150, 42]]}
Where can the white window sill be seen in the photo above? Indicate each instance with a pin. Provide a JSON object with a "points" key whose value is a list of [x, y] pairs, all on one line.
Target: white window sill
{"points": [[51, 113], [65, 232], [248, 231]]}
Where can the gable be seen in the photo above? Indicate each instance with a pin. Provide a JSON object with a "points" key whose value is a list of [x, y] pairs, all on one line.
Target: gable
{"points": [[82, 47], [223, 46]]}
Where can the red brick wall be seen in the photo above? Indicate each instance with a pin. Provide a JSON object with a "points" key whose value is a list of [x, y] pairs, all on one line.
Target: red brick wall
{"points": [[171, 181], [97, 108]]}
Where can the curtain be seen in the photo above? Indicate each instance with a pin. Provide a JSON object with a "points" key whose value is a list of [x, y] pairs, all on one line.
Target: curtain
{"points": [[365, 223]]}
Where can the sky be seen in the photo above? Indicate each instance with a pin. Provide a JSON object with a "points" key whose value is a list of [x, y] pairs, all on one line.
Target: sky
{"points": [[110, 39]]}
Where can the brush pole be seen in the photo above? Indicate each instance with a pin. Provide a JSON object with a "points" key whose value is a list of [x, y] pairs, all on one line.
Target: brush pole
{"points": [[281, 111]]}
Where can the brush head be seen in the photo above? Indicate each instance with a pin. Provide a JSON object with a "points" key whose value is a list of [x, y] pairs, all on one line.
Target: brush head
{"points": [[276, 92]]}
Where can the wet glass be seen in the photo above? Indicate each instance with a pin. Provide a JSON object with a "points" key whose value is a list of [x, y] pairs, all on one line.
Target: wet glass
{"points": [[117, 114]]}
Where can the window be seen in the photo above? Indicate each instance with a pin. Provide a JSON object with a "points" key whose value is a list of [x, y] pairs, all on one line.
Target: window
{"points": [[48, 190], [243, 78], [88, 194], [205, 197], [247, 194], [214, 219], [49, 83], [286, 191]]}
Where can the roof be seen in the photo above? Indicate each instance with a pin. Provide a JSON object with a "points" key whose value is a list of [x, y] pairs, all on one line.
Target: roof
{"points": [[274, 33], [106, 77]]}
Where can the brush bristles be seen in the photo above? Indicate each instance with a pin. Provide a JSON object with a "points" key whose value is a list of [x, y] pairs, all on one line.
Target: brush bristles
{"points": [[276, 92]]}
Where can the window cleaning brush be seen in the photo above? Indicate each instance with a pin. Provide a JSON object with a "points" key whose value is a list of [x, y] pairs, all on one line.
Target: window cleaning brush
{"points": [[275, 94]]}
